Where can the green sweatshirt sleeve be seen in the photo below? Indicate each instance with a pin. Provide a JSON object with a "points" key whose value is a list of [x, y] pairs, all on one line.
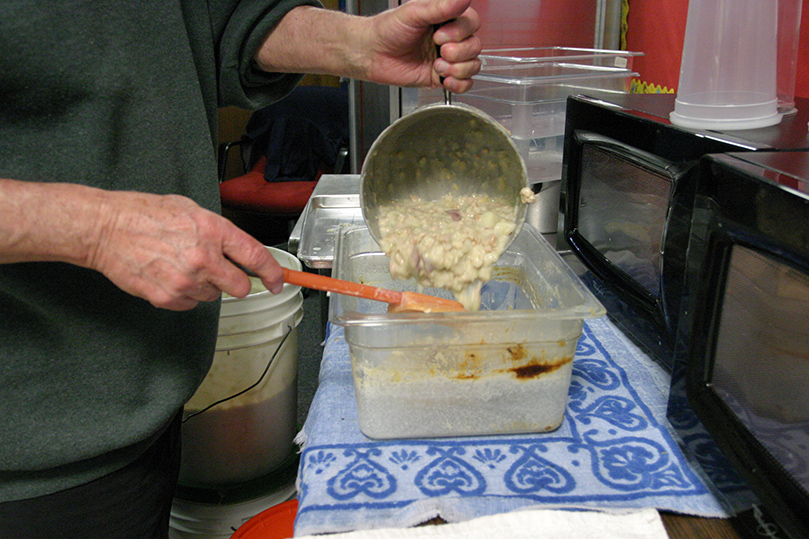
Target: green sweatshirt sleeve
{"points": [[224, 37]]}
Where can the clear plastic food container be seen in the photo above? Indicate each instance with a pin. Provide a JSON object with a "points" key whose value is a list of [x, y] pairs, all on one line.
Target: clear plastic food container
{"points": [[529, 98], [526, 91], [526, 88], [504, 369]]}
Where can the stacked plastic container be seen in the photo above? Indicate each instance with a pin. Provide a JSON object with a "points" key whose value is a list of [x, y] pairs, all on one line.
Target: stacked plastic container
{"points": [[526, 90]]}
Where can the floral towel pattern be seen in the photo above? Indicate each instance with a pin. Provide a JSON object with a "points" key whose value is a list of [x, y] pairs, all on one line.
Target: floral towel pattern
{"points": [[613, 450]]}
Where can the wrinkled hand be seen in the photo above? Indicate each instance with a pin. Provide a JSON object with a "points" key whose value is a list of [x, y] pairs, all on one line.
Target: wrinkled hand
{"points": [[171, 252], [396, 47], [403, 44]]}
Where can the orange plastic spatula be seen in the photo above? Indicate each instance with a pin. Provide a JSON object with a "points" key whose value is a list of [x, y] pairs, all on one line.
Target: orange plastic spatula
{"points": [[398, 301]]}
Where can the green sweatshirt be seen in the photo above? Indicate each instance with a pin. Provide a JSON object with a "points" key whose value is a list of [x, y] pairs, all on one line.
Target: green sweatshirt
{"points": [[122, 96]]}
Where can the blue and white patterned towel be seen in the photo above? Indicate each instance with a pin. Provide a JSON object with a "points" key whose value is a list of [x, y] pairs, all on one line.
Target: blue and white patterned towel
{"points": [[613, 451]]}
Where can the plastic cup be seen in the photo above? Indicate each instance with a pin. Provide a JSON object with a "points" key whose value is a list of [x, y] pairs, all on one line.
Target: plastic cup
{"points": [[728, 72], [789, 24]]}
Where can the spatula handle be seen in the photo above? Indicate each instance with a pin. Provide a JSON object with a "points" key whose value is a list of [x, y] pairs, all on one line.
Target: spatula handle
{"points": [[330, 284]]}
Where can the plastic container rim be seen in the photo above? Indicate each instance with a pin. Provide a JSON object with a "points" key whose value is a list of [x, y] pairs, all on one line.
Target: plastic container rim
{"points": [[607, 73], [589, 308], [583, 53], [263, 299]]}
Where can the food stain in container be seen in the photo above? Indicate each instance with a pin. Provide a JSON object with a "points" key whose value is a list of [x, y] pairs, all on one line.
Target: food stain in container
{"points": [[477, 365], [517, 352], [537, 369]]}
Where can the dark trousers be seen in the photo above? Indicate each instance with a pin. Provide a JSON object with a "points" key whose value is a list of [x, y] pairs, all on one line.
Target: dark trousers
{"points": [[133, 502]]}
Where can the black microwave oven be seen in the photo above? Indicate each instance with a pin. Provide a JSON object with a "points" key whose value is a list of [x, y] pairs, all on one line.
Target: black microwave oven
{"points": [[744, 333], [627, 181], [629, 188]]}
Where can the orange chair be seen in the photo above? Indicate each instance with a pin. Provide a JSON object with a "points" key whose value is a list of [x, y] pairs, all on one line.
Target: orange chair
{"points": [[286, 148]]}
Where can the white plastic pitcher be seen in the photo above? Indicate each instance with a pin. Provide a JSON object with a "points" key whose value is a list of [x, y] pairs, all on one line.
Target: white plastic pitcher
{"points": [[728, 72], [789, 26]]}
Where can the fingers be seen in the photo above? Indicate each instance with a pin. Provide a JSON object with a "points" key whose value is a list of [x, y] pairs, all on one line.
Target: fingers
{"points": [[177, 298], [440, 11], [166, 283], [458, 28], [204, 278], [458, 63], [458, 60], [256, 259]]}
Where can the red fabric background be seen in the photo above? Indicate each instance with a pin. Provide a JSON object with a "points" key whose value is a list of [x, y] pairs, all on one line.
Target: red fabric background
{"points": [[536, 23], [802, 81]]}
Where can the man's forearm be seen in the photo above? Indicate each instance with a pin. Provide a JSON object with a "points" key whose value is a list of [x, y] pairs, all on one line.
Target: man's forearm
{"points": [[165, 249], [48, 221], [313, 40]]}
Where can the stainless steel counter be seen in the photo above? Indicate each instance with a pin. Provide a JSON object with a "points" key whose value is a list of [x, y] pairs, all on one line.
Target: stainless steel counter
{"points": [[335, 202]]}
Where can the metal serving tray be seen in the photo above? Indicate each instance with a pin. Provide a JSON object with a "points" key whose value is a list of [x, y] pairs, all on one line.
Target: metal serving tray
{"points": [[325, 215]]}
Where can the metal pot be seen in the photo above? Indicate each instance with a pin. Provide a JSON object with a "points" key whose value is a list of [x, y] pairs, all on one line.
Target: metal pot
{"points": [[438, 149]]}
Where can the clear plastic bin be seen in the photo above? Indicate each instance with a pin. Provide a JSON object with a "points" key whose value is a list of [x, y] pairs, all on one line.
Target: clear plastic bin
{"points": [[526, 90], [529, 98], [504, 369]]}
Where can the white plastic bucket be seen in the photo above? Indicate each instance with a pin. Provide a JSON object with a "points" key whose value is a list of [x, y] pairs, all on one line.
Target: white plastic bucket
{"points": [[195, 520], [247, 436]]}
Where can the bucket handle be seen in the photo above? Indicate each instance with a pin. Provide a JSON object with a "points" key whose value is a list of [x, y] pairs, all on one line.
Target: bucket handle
{"points": [[254, 384]]}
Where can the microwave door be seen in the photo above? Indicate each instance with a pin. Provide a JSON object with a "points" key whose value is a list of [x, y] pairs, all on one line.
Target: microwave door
{"points": [[619, 202]]}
